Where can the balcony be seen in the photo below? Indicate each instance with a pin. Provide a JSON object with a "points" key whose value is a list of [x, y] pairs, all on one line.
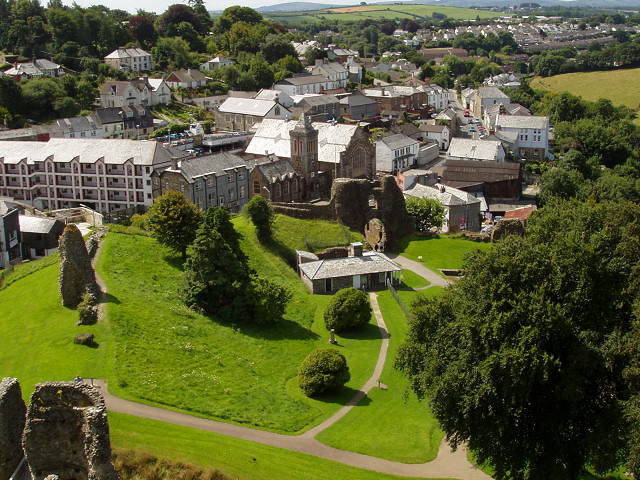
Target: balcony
{"points": [[65, 182], [63, 168], [115, 171], [89, 195], [60, 194], [116, 184], [117, 198]]}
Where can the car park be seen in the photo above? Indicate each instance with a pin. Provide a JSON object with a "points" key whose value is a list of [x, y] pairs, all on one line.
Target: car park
{"points": [[472, 128]]}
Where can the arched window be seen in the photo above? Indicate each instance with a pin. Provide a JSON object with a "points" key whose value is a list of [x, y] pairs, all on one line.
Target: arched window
{"points": [[276, 191], [359, 157], [256, 187]]}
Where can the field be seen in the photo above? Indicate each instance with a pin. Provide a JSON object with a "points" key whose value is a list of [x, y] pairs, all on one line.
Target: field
{"points": [[379, 12], [613, 84]]}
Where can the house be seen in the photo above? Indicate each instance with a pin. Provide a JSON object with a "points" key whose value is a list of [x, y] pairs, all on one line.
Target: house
{"points": [[396, 153], [277, 96], [338, 150], [439, 133], [341, 54], [478, 150], [437, 96], [122, 93], [461, 209], [360, 269], [216, 62], [448, 117], [10, 240], [533, 134], [304, 84], [126, 122], [485, 97], [397, 98], [407, 178], [189, 79], [491, 113], [489, 179], [39, 235], [207, 181], [87, 126], [358, 106], [337, 74], [276, 180], [37, 68], [105, 175], [160, 91], [240, 114], [355, 71], [322, 107], [129, 60]]}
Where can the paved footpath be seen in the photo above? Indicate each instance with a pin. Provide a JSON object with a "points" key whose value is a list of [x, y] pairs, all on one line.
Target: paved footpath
{"points": [[447, 464], [420, 269]]}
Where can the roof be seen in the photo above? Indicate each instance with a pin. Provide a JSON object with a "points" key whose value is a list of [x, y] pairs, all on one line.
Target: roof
{"points": [[273, 137], [119, 87], [277, 170], [247, 106], [446, 114], [36, 224], [477, 149], [268, 94], [521, 213], [398, 141], [491, 92], [425, 127], [458, 173], [367, 263], [509, 121], [188, 76], [357, 99], [446, 195], [85, 150], [78, 124], [320, 100], [330, 68], [217, 164], [127, 52], [304, 80]]}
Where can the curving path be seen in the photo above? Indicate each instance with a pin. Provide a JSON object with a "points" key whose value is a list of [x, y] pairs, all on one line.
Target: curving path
{"points": [[447, 464]]}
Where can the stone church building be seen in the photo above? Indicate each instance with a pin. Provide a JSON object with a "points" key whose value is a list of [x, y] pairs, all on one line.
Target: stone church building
{"points": [[319, 152]]}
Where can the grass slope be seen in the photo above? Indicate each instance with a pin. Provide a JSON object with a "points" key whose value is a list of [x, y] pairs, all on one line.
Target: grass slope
{"points": [[171, 356], [385, 424], [387, 12], [237, 458], [447, 251], [612, 84], [38, 332]]}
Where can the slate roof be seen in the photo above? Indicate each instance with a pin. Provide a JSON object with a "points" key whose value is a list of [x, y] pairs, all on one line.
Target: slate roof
{"points": [[268, 94], [508, 121], [369, 262], [78, 124], [459, 173], [36, 224], [491, 92], [398, 141], [217, 164], [425, 127], [304, 80], [273, 137], [356, 100], [446, 195], [320, 100], [277, 170], [127, 52], [247, 106], [478, 149], [189, 76]]}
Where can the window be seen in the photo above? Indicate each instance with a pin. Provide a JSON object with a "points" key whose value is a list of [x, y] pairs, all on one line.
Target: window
{"points": [[285, 188], [199, 185], [328, 284], [232, 194], [256, 187], [276, 191], [166, 185], [210, 182], [182, 187], [243, 191], [212, 199], [240, 175], [155, 181], [294, 186], [149, 182], [221, 200], [381, 277], [230, 178]]}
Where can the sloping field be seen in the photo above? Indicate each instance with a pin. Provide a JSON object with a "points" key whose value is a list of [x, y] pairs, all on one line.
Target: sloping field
{"points": [[380, 12]]}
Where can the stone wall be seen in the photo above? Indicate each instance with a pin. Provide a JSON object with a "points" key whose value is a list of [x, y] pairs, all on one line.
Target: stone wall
{"points": [[376, 235], [12, 419], [351, 200], [325, 211], [67, 433], [333, 252], [507, 226], [76, 273]]}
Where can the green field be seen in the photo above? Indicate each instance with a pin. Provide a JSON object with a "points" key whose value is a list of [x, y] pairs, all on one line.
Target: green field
{"points": [[613, 84], [379, 12]]}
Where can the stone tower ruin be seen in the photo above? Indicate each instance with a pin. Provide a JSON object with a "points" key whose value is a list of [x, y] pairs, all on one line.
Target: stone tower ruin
{"points": [[76, 273]]}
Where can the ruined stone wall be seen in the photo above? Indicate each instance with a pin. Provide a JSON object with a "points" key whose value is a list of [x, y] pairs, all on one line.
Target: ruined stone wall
{"points": [[67, 433], [393, 212], [76, 273], [507, 226], [306, 210], [12, 419], [351, 200], [376, 235]]}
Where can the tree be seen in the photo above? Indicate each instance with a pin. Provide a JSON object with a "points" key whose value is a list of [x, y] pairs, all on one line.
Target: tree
{"points": [[176, 14], [174, 221], [142, 29], [524, 358], [276, 47], [349, 308], [269, 300], [262, 73], [323, 370], [428, 212], [262, 216]]}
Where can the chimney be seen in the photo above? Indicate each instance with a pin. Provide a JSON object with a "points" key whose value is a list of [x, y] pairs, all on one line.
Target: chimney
{"points": [[174, 163], [356, 249], [318, 61]]}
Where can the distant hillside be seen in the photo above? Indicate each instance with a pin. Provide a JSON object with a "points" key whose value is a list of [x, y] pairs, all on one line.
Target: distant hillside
{"points": [[617, 4], [295, 7]]}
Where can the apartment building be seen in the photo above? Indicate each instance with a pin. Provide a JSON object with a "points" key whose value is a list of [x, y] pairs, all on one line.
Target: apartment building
{"points": [[106, 175]]}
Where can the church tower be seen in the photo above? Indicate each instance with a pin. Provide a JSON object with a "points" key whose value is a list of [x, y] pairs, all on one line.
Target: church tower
{"points": [[304, 155]]}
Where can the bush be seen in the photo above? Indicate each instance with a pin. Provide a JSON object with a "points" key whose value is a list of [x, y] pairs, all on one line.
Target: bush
{"points": [[140, 221], [87, 309], [269, 300], [324, 369], [348, 309]]}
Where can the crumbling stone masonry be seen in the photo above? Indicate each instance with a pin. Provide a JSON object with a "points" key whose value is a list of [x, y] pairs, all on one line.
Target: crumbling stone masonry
{"points": [[67, 433], [12, 419], [507, 226], [76, 273], [376, 235]]}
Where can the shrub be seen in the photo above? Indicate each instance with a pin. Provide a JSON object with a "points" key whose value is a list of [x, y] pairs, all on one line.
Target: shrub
{"points": [[140, 221], [87, 309], [348, 309], [324, 369], [269, 300]]}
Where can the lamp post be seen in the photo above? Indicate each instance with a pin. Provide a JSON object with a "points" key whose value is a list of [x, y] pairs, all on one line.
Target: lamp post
{"points": [[137, 131], [268, 192]]}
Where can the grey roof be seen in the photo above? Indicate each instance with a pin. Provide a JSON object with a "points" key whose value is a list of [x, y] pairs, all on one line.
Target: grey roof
{"points": [[333, 67], [36, 224], [425, 127], [509, 121], [447, 196], [188, 76], [247, 106], [217, 164], [357, 99], [398, 141], [78, 124], [127, 52], [273, 137], [446, 114], [369, 262], [304, 80], [277, 170], [491, 92], [268, 94], [320, 100], [479, 149], [118, 87]]}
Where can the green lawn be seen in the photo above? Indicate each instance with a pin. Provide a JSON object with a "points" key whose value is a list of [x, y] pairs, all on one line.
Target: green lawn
{"points": [[385, 424], [236, 458], [38, 332], [413, 280], [445, 252], [170, 356]]}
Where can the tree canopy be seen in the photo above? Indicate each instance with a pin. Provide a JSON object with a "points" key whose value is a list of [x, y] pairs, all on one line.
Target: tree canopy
{"points": [[527, 357], [428, 212]]}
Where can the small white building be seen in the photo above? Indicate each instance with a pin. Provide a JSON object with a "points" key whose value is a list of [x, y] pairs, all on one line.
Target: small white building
{"points": [[439, 133], [216, 62], [129, 60], [396, 153], [478, 150], [533, 134], [241, 114], [304, 84], [337, 74]]}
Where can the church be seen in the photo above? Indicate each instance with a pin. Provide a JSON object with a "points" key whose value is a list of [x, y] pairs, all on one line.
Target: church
{"points": [[319, 152]]}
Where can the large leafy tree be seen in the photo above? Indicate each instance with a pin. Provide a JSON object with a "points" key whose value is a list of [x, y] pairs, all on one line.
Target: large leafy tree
{"points": [[527, 357], [262, 216], [428, 212], [174, 221]]}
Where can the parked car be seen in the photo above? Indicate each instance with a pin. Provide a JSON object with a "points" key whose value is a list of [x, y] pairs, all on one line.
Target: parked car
{"points": [[472, 128]]}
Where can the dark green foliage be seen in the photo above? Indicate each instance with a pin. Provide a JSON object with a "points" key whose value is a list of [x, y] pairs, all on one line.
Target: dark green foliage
{"points": [[269, 300], [262, 216], [324, 369], [428, 212], [174, 221], [220, 221], [349, 308], [525, 357], [276, 47]]}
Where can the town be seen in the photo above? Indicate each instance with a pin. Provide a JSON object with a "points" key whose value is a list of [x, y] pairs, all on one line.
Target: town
{"points": [[370, 241]]}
